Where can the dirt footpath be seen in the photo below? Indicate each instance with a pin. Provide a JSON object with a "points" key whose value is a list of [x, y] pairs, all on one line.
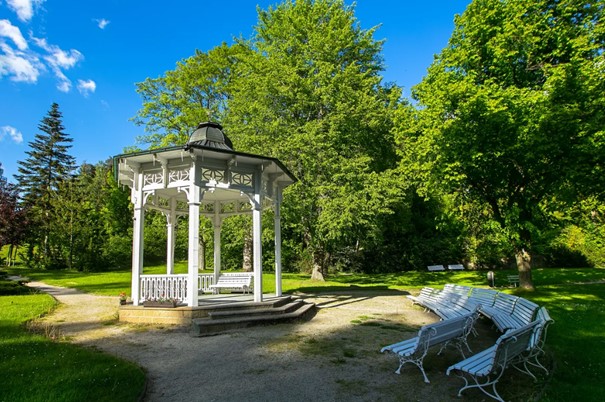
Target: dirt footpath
{"points": [[333, 357]]}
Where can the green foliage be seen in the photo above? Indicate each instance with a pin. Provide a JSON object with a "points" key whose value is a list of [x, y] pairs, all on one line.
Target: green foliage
{"points": [[13, 288], [509, 116], [90, 221], [42, 369], [195, 91], [310, 93]]}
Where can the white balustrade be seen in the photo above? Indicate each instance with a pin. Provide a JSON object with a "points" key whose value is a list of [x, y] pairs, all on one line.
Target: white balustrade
{"points": [[155, 287]]}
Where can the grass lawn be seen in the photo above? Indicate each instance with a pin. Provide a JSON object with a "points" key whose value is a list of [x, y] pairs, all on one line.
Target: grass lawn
{"points": [[575, 341], [36, 368]]}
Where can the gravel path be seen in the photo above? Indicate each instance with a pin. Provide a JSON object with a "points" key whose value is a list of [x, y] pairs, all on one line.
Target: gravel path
{"points": [[333, 357]]}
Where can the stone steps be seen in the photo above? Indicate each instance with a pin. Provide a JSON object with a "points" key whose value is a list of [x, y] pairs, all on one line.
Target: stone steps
{"points": [[227, 317]]}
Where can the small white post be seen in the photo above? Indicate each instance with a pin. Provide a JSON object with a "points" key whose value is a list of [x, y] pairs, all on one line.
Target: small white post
{"points": [[257, 235], [170, 227], [277, 229], [194, 234], [138, 200], [217, 241]]}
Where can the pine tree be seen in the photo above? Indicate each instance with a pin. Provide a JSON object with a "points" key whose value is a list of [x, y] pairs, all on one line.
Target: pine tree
{"points": [[47, 165]]}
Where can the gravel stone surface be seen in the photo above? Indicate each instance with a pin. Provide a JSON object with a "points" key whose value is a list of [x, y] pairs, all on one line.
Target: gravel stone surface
{"points": [[335, 356]]}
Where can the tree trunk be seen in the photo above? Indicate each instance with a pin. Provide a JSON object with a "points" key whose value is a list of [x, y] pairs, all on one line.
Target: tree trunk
{"points": [[318, 267], [9, 259], [523, 259], [247, 253], [201, 254]]}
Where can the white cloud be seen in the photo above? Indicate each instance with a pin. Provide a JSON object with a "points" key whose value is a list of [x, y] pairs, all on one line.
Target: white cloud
{"points": [[64, 84], [12, 132], [58, 57], [102, 22], [24, 60], [12, 32], [24, 8], [86, 87], [59, 60], [19, 66]]}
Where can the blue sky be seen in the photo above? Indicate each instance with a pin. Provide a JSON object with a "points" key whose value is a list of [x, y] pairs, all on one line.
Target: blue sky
{"points": [[88, 55]]}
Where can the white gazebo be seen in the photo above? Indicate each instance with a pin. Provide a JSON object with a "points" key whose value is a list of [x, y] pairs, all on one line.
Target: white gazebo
{"points": [[204, 177]]}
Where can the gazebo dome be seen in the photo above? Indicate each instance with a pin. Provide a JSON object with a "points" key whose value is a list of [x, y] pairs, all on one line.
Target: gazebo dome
{"points": [[209, 134]]}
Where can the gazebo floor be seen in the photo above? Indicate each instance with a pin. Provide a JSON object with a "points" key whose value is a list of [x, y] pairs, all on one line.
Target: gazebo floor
{"points": [[219, 312]]}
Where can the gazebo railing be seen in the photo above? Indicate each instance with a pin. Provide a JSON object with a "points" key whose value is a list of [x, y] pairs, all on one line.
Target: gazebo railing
{"points": [[156, 287]]}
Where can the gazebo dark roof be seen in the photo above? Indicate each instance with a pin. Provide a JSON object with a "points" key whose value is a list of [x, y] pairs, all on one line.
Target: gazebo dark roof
{"points": [[210, 134]]}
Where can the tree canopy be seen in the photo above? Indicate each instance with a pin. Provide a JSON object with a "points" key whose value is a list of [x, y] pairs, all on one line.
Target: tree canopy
{"points": [[509, 116]]}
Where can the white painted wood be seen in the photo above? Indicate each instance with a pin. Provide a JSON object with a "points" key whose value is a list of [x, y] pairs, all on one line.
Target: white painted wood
{"points": [[257, 233], [170, 237], [194, 229], [277, 231], [436, 268], [137, 236], [217, 241], [235, 281]]}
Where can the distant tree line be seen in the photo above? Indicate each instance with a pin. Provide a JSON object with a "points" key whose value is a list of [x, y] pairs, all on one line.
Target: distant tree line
{"points": [[496, 161]]}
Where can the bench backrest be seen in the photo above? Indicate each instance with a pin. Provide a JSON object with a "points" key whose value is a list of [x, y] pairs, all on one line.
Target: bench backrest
{"points": [[525, 310], [435, 268], [446, 330], [459, 289], [513, 343], [505, 303], [455, 267], [235, 280], [544, 320], [485, 297]]}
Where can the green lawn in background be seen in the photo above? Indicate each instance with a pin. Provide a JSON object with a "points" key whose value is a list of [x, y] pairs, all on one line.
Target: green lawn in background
{"points": [[36, 368]]}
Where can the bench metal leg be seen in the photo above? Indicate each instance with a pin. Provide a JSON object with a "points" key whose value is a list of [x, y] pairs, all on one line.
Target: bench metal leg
{"points": [[417, 362], [482, 386]]}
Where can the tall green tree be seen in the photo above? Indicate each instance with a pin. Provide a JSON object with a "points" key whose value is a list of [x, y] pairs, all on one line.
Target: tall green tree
{"points": [[310, 93], [48, 164], [13, 221], [510, 115]]}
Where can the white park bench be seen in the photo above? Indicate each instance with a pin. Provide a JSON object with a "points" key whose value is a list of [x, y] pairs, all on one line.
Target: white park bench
{"points": [[414, 350], [486, 367], [435, 268], [233, 281], [455, 267]]}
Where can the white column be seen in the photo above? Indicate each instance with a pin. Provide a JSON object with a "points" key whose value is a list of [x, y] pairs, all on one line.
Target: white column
{"points": [[137, 237], [277, 229], [194, 234], [257, 232], [217, 241], [170, 227]]}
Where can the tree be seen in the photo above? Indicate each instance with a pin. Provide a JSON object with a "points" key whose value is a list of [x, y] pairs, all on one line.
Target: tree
{"points": [[509, 116], [306, 88], [310, 94], [13, 220], [48, 164]]}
